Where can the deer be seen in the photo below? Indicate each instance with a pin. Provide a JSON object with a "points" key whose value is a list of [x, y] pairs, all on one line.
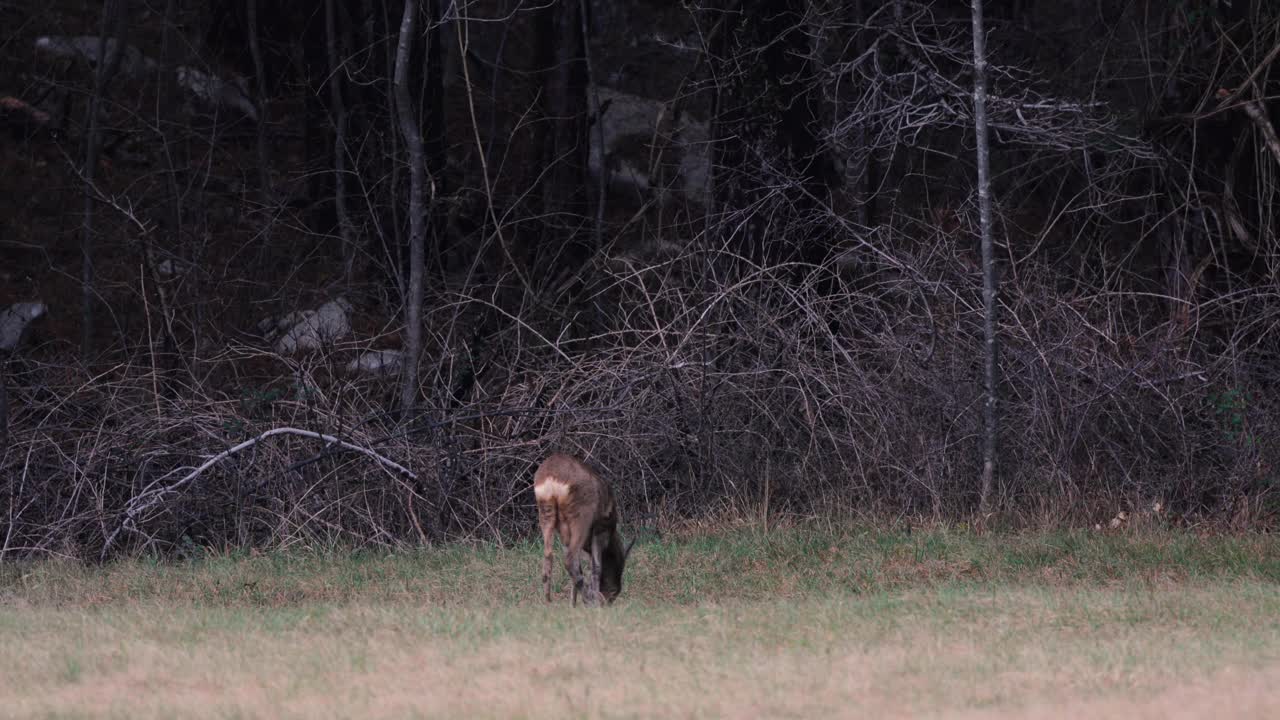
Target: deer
{"points": [[576, 503]]}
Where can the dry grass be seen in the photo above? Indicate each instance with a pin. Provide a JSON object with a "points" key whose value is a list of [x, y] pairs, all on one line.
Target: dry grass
{"points": [[922, 637]]}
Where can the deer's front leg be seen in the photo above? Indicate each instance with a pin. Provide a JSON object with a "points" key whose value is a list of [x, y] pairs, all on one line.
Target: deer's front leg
{"points": [[573, 563], [597, 567]]}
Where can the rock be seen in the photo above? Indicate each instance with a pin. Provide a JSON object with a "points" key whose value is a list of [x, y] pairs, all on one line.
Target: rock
{"points": [[168, 268], [309, 329], [377, 362], [14, 319], [211, 89], [632, 126], [217, 92], [85, 47]]}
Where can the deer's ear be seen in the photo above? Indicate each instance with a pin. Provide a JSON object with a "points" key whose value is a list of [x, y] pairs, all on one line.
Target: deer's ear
{"points": [[627, 551]]}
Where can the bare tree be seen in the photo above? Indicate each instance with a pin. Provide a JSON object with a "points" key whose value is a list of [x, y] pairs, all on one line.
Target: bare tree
{"points": [[260, 88], [765, 338], [339, 112], [410, 128], [989, 281], [434, 128], [768, 161], [110, 51], [602, 180], [167, 84], [562, 57]]}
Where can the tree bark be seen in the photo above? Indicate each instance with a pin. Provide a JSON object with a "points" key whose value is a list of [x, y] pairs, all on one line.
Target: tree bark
{"points": [[167, 82], [768, 162], [866, 190], [584, 18], [114, 15], [410, 128], [433, 125], [339, 114], [564, 92], [989, 280], [4, 408], [260, 89]]}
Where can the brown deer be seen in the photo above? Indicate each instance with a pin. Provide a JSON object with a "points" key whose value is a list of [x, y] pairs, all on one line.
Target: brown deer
{"points": [[577, 503]]}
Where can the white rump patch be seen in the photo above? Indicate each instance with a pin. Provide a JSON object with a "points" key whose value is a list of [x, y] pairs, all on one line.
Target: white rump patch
{"points": [[551, 487]]}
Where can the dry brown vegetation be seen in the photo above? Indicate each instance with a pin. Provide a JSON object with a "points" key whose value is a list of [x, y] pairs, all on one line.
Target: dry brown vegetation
{"points": [[1106, 653], [800, 623]]}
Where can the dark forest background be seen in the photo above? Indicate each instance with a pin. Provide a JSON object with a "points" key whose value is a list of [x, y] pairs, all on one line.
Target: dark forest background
{"points": [[728, 250]]}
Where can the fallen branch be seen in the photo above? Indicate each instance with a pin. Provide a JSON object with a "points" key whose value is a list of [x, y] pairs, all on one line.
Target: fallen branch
{"points": [[150, 497], [1227, 97], [1258, 114]]}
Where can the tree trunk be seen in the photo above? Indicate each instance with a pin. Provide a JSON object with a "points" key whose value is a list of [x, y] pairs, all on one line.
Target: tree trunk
{"points": [[4, 410], [339, 113], [417, 213], [395, 249], [564, 184], [989, 281], [867, 188], [768, 163], [433, 125], [168, 90], [260, 89], [584, 18], [114, 16]]}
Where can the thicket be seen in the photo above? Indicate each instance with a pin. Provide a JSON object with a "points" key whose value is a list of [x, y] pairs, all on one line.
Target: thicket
{"points": [[801, 335]]}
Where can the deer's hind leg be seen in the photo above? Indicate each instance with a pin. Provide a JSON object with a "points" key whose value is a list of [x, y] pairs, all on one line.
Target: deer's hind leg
{"points": [[547, 520]]}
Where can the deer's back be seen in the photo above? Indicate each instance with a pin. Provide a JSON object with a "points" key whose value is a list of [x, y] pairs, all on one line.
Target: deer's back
{"points": [[575, 490]]}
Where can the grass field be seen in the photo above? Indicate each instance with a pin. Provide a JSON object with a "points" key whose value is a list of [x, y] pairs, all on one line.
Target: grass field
{"points": [[796, 623]]}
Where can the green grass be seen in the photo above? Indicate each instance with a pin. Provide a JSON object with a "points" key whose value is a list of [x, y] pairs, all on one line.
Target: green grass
{"points": [[795, 623], [739, 565]]}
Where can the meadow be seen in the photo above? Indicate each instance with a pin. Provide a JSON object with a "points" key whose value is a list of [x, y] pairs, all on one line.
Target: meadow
{"points": [[812, 621]]}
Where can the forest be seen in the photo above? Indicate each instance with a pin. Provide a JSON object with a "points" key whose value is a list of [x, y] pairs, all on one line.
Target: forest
{"points": [[344, 271]]}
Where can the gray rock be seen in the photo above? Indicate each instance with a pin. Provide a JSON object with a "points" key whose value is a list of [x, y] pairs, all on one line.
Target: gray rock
{"points": [[309, 329], [377, 362], [85, 47], [14, 319]]}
